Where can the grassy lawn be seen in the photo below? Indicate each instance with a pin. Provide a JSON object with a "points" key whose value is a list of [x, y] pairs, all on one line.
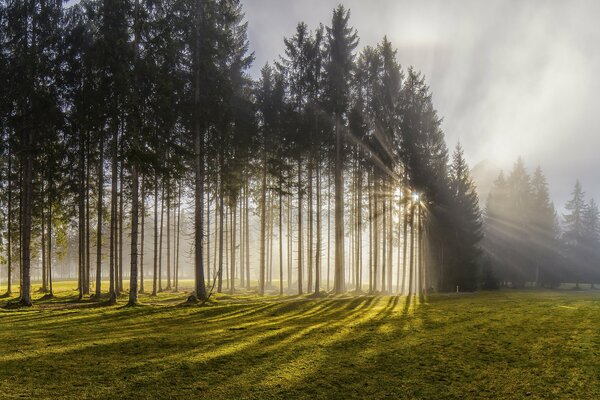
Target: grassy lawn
{"points": [[529, 344]]}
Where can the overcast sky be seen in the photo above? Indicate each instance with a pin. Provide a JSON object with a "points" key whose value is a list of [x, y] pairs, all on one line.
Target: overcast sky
{"points": [[509, 78]]}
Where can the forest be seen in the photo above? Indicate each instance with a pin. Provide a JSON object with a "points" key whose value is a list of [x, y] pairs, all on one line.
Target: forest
{"points": [[124, 123], [178, 222]]}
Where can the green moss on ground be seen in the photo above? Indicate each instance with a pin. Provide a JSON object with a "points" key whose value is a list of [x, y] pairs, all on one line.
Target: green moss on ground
{"points": [[538, 345]]}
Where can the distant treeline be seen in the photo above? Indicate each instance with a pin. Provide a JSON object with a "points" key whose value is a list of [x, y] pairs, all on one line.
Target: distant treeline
{"points": [[528, 243]]}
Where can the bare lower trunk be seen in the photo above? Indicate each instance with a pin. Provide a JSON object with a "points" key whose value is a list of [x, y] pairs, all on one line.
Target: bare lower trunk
{"points": [[26, 203], [99, 222], [263, 222], [160, 237], [168, 235], [142, 228], [9, 223], [339, 278], [300, 249], [133, 274], [155, 258]]}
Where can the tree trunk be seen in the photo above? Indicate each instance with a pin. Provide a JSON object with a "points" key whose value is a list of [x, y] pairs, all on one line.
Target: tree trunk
{"points": [[81, 217], [300, 227], [9, 225], [309, 264], [280, 237], [160, 237], [121, 213], [221, 237], [263, 223], [176, 277], [26, 206], [113, 217], [133, 274], [404, 243], [155, 258], [233, 240], [99, 217], [412, 251], [142, 228], [339, 280], [88, 250], [51, 291], [318, 244], [43, 244], [168, 235], [247, 227]]}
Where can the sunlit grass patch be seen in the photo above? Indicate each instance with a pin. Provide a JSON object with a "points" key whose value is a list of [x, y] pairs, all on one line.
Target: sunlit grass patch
{"points": [[542, 345]]}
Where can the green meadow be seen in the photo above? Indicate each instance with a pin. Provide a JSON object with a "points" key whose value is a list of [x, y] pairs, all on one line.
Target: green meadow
{"points": [[506, 344]]}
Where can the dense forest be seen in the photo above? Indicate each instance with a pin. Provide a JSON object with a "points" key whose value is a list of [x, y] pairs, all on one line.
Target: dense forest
{"points": [[136, 147]]}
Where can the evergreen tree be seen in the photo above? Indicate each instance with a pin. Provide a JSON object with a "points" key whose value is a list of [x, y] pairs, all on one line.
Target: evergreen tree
{"points": [[467, 224], [341, 42]]}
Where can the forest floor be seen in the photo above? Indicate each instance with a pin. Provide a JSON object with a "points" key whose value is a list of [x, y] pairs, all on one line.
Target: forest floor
{"points": [[506, 344]]}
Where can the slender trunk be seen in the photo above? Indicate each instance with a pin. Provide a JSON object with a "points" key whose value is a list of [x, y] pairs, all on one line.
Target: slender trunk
{"points": [[155, 258], [142, 228], [404, 243], [376, 218], [390, 240], [160, 238], [328, 227], [113, 217], [207, 235], [309, 264], [43, 231], [318, 244], [51, 292], [300, 226], [9, 225], [133, 274], [99, 217], [88, 250], [339, 284], [221, 239], [242, 232], [81, 217], [247, 227], [263, 223], [176, 277], [121, 213], [412, 251], [280, 236], [398, 260], [26, 203], [384, 242], [232, 224], [168, 235], [289, 241], [358, 249], [199, 142]]}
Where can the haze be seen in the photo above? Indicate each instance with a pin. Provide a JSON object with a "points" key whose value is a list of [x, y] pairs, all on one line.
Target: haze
{"points": [[509, 78]]}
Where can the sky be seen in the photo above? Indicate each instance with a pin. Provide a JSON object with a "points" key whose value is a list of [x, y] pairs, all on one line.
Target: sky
{"points": [[509, 78]]}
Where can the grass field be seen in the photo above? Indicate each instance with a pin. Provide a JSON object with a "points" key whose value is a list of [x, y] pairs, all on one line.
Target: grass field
{"points": [[508, 344]]}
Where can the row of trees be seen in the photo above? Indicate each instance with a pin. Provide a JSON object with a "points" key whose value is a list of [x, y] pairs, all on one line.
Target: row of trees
{"points": [[120, 114], [527, 243]]}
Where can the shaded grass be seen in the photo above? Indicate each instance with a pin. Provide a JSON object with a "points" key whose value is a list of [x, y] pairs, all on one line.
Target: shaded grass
{"points": [[541, 345]]}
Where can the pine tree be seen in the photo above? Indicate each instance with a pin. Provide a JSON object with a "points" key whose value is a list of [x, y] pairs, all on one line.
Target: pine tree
{"points": [[467, 224], [341, 42], [574, 232]]}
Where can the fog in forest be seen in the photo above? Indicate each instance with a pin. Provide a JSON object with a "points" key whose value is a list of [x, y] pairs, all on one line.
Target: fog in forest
{"points": [[509, 78]]}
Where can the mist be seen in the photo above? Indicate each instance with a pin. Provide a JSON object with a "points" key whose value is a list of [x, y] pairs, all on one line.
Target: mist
{"points": [[509, 78]]}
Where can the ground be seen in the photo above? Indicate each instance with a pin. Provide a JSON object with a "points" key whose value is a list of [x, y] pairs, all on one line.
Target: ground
{"points": [[507, 344]]}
